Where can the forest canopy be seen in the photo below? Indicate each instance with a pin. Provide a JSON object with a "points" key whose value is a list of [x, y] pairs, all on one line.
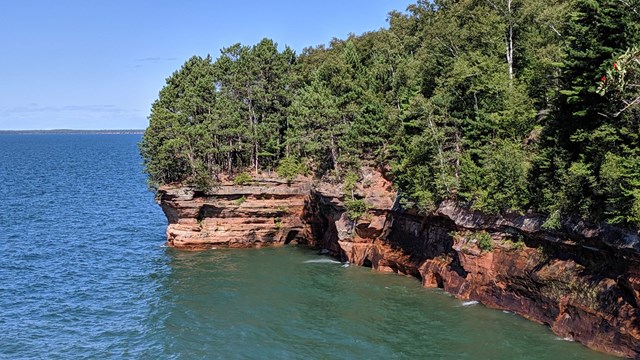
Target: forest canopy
{"points": [[506, 105]]}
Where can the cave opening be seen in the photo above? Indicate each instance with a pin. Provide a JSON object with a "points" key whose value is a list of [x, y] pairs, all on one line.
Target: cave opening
{"points": [[367, 263], [291, 236], [439, 281]]}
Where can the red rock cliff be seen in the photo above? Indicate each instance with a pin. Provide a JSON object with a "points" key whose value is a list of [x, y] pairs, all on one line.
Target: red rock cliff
{"points": [[264, 212], [582, 281]]}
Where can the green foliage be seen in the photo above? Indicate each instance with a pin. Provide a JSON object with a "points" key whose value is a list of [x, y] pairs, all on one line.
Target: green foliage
{"points": [[242, 179], [350, 181], [578, 181], [518, 245], [241, 200], [172, 144], [623, 75], [483, 240], [587, 134], [201, 180], [290, 167], [621, 184], [356, 208], [553, 222], [514, 245], [502, 107], [498, 181], [422, 199]]}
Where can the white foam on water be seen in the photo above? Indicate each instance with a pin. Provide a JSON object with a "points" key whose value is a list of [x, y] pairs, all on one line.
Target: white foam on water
{"points": [[322, 261], [345, 265], [564, 339], [469, 303]]}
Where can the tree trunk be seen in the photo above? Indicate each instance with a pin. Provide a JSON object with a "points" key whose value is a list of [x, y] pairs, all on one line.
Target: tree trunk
{"points": [[229, 157], [191, 156], [458, 155], [256, 158], [334, 154], [253, 121], [509, 41], [508, 36]]}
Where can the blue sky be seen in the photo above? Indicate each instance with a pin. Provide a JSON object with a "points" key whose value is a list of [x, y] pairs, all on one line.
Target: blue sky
{"points": [[100, 64]]}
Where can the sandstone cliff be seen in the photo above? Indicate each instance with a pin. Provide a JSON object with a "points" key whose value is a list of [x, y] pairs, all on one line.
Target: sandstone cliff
{"points": [[581, 280], [264, 212]]}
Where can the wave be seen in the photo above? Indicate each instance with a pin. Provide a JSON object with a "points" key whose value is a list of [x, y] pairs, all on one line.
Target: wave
{"points": [[564, 339], [469, 303], [322, 261]]}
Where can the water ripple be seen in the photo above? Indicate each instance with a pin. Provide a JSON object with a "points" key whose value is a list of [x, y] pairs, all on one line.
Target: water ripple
{"points": [[83, 275]]}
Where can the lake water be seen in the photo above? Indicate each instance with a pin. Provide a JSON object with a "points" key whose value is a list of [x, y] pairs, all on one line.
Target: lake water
{"points": [[84, 274]]}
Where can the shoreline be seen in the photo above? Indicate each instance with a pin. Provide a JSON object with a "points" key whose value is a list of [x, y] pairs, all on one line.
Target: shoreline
{"points": [[581, 281]]}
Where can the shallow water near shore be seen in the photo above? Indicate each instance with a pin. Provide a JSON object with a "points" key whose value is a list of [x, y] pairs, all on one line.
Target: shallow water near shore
{"points": [[84, 274]]}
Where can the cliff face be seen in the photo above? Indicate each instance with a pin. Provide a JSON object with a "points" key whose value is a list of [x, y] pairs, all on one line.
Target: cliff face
{"points": [[266, 212], [582, 281]]}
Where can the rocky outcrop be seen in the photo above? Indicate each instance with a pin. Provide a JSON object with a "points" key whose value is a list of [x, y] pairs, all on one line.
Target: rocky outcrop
{"points": [[263, 212], [581, 280]]}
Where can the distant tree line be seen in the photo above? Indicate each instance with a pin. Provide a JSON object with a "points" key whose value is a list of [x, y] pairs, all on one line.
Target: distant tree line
{"points": [[507, 105]]}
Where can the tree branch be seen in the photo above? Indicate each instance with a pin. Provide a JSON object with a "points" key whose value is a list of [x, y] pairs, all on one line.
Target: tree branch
{"points": [[631, 103]]}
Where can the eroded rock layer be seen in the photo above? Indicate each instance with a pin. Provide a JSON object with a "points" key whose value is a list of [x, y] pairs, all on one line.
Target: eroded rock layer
{"points": [[265, 212], [582, 281]]}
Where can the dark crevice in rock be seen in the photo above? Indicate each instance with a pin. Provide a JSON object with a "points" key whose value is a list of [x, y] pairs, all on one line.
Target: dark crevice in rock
{"points": [[291, 236]]}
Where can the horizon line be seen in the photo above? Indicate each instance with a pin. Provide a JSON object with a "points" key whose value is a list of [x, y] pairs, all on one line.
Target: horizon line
{"points": [[69, 130]]}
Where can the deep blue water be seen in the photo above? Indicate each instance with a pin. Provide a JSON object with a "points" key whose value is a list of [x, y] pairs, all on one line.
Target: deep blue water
{"points": [[84, 274]]}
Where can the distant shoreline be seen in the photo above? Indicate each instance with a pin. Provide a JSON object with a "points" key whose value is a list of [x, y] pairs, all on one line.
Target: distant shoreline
{"points": [[72, 132]]}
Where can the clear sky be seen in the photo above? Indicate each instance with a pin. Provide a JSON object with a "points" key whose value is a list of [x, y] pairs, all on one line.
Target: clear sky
{"points": [[84, 64]]}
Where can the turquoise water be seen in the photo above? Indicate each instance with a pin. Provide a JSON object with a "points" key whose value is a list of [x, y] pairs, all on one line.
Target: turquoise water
{"points": [[84, 274]]}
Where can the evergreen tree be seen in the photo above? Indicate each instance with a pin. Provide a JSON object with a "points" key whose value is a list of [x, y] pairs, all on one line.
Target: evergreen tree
{"points": [[500, 104]]}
